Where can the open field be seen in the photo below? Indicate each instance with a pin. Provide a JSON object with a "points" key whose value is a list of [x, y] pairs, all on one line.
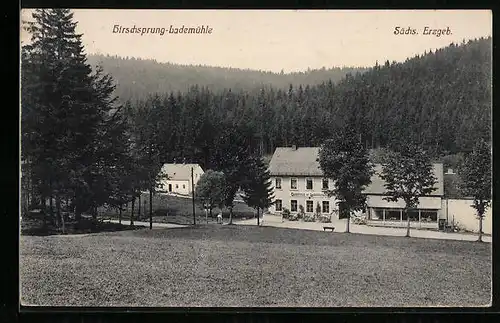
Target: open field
{"points": [[213, 265], [173, 209]]}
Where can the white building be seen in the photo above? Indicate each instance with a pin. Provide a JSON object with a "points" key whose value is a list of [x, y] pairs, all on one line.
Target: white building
{"points": [[298, 180], [178, 178]]}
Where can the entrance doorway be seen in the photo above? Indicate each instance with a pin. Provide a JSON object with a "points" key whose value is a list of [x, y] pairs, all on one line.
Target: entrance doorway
{"points": [[170, 187]]}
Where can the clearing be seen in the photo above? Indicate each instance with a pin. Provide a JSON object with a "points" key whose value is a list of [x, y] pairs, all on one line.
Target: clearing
{"points": [[210, 265]]}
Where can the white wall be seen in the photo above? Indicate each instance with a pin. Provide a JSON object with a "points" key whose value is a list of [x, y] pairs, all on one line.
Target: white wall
{"points": [[286, 194], [197, 172], [179, 189], [462, 212], [186, 190]]}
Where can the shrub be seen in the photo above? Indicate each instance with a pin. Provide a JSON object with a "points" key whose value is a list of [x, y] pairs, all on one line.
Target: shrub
{"points": [[359, 220], [301, 212], [309, 217], [458, 227], [159, 212], [324, 218], [286, 213]]}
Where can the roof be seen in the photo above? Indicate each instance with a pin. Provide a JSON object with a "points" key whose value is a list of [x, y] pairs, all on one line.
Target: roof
{"points": [[302, 161], [179, 172], [377, 184]]}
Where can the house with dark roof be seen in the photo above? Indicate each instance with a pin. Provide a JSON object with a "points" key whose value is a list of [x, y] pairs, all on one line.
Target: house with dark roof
{"points": [[177, 177], [297, 180]]}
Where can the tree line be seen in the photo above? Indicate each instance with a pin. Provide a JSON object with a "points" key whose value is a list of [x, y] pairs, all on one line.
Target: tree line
{"points": [[139, 78], [442, 99]]}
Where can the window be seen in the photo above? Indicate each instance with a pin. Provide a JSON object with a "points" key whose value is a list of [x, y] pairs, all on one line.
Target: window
{"points": [[309, 206], [278, 205], [309, 184], [293, 183], [176, 185], [377, 214], [413, 215], [325, 183], [183, 185], [393, 215], [428, 216], [326, 207], [278, 183], [293, 206]]}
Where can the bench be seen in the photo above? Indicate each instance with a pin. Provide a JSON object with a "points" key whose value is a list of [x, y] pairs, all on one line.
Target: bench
{"points": [[328, 228]]}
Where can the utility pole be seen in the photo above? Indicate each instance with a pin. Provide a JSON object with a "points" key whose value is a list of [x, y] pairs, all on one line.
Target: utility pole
{"points": [[150, 191], [192, 189], [150, 207]]}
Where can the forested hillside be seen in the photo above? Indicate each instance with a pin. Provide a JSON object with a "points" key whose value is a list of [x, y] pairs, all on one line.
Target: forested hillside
{"points": [[442, 99], [138, 78]]}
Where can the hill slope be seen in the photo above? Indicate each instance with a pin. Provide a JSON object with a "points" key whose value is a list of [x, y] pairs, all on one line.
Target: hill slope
{"points": [[136, 78], [441, 99]]}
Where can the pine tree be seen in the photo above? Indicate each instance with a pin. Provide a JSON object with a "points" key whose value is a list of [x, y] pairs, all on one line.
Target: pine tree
{"points": [[257, 187], [66, 110]]}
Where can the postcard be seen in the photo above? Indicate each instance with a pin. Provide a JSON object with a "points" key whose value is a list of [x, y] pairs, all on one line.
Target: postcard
{"points": [[255, 158]]}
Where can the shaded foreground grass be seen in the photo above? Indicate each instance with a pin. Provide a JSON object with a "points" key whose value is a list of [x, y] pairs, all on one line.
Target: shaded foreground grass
{"points": [[36, 227], [244, 266]]}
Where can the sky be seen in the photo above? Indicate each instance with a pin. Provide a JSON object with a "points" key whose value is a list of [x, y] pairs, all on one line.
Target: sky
{"points": [[275, 40]]}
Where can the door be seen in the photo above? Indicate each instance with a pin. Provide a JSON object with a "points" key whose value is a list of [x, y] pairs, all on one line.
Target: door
{"points": [[170, 187]]}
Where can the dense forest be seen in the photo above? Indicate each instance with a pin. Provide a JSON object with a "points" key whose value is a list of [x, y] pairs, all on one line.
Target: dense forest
{"points": [[441, 99], [138, 78]]}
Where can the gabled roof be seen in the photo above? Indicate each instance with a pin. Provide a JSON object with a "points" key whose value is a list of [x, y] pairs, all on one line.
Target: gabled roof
{"points": [[179, 172], [288, 161]]}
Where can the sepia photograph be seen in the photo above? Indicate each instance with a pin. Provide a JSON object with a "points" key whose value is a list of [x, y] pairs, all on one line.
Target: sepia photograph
{"points": [[255, 158]]}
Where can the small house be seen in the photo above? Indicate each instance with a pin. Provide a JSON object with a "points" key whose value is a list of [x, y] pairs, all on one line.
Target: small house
{"points": [[179, 178]]}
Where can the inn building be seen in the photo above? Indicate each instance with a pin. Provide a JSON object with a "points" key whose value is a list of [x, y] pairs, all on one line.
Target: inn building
{"points": [[297, 180]]}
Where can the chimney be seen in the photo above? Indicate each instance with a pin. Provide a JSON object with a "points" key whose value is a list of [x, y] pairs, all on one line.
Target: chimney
{"points": [[294, 147], [174, 160], [184, 160], [450, 171]]}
